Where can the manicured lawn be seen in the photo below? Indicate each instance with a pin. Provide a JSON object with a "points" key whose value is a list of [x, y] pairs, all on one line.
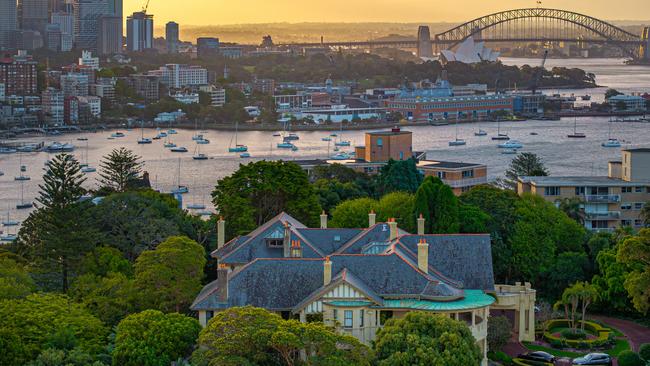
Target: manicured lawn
{"points": [[620, 346], [553, 351]]}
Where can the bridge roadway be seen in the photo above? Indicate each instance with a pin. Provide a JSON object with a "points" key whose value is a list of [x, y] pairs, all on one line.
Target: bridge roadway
{"points": [[414, 43]]}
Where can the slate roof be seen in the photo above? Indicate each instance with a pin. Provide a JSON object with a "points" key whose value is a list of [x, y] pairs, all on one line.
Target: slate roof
{"points": [[324, 239], [379, 233], [464, 258]]}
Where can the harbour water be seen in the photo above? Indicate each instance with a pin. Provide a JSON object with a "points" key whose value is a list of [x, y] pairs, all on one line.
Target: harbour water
{"points": [[562, 156]]}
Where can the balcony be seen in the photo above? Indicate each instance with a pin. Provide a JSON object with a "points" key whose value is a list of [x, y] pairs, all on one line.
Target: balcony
{"points": [[603, 198], [470, 182], [611, 215]]}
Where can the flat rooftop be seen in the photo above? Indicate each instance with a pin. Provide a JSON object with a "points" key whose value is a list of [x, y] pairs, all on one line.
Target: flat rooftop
{"points": [[389, 133], [639, 149], [580, 181], [446, 164]]}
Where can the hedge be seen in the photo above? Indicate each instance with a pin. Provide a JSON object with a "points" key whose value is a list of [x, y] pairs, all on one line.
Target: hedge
{"points": [[605, 336], [521, 362]]}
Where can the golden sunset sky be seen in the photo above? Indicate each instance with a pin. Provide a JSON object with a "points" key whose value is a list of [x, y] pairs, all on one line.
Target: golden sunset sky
{"points": [[215, 12]]}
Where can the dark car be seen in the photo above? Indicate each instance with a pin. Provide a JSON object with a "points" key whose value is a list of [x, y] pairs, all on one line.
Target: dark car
{"points": [[592, 359], [538, 356]]}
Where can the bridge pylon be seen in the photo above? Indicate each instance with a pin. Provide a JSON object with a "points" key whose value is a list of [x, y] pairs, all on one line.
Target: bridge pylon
{"points": [[644, 52]]}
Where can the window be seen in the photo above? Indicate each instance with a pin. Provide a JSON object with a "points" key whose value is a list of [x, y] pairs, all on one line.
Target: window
{"points": [[335, 314], [626, 222], [580, 191], [626, 206], [380, 142], [347, 318], [639, 189], [401, 155], [275, 243], [599, 224], [361, 316], [638, 222], [209, 315], [551, 191], [468, 174], [638, 205], [626, 189], [442, 175]]}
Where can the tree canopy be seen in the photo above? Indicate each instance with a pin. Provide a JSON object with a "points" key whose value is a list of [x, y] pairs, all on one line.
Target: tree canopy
{"points": [[634, 252], [525, 164]]}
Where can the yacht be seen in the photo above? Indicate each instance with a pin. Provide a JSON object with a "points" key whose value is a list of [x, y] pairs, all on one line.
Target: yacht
{"points": [[171, 132], [88, 169], [162, 134], [57, 147], [180, 190], [611, 143], [291, 137], [294, 148], [6, 150], [7, 238], [117, 135], [245, 155], [480, 133], [200, 156], [144, 140], [500, 136], [169, 145], [457, 142], [203, 141], [82, 138], [22, 178], [28, 148], [576, 134], [512, 144], [237, 147], [342, 143], [157, 137], [509, 152], [10, 222], [341, 156], [179, 149], [326, 139], [23, 205]]}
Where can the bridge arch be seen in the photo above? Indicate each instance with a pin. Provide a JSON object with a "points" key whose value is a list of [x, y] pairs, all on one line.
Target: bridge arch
{"points": [[598, 27]]}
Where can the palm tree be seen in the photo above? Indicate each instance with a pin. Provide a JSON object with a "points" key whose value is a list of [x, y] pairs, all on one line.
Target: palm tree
{"points": [[572, 207]]}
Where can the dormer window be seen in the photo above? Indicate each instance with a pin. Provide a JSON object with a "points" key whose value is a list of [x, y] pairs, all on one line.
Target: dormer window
{"points": [[337, 238], [275, 243]]}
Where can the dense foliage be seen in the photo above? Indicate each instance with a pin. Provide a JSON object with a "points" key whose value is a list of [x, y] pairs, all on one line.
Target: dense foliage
{"points": [[426, 339]]}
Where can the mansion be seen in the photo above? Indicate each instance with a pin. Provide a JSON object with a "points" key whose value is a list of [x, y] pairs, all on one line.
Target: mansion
{"points": [[356, 279]]}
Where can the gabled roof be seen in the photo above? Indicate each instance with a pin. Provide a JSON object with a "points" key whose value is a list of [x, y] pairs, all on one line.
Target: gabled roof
{"points": [[206, 299], [465, 258], [379, 233], [344, 276], [328, 241]]}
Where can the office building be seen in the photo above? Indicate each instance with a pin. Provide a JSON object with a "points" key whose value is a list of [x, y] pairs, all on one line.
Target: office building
{"points": [[139, 32], [116, 9], [94, 104], [9, 23], [19, 74], [65, 21], [146, 86], [172, 37], [33, 15], [74, 84], [88, 60], [266, 86], [231, 52], [356, 279], [110, 36], [87, 14], [53, 37], [627, 103], [217, 95], [27, 40], [180, 76], [207, 47], [608, 201], [53, 106]]}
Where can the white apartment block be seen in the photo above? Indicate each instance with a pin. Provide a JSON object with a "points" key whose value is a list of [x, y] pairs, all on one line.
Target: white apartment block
{"points": [[95, 104], [180, 76], [217, 95], [87, 59], [53, 106]]}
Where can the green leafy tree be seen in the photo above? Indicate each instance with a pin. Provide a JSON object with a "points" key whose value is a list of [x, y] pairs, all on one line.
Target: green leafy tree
{"points": [[35, 319], [630, 358], [15, 281], [259, 191], [472, 219], [525, 164], [572, 207], [397, 205], [400, 176], [567, 268], [499, 332], [253, 336], [170, 276], [645, 215], [634, 251], [445, 213], [353, 213], [59, 357], [331, 192], [110, 297], [13, 350], [56, 236], [610, 282], [120, 170], [426, 339], [152, 338], [424, 201]]}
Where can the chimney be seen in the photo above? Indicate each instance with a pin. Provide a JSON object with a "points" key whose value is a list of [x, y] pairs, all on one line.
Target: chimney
{"points": [[423, 256], [223, 271], [296, 249], [393, 229], [286, 243], [221, 232], [372, 218], [323, 220], [421, 225], [327, 271]]}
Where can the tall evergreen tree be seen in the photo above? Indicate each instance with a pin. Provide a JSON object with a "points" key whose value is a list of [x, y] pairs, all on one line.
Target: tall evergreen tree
{"points": [[120, 170], [445, 218], [524, 165], [399, 176], [55, 236]]}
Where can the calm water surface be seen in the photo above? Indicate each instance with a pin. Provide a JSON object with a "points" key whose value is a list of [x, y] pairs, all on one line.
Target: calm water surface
{"points": [[561, 155]]}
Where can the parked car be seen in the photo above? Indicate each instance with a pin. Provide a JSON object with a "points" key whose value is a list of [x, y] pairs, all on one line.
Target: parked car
{"points": [[600, 359], [538, 356]]}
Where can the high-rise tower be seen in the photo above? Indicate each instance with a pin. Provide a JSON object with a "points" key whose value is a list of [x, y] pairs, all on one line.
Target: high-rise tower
{"points": [[172, 37]]}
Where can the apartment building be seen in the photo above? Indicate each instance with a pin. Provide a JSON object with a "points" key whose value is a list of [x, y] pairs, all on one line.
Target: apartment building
{"points": [[608, 201], [461, 177], [180, 76]]}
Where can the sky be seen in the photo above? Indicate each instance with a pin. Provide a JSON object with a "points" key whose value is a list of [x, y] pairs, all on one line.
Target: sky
{"points": [[217, 12]]}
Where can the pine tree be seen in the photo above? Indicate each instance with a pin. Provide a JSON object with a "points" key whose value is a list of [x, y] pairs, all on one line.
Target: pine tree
{"points": [[120, 170], [524, 165], [62, 183]]}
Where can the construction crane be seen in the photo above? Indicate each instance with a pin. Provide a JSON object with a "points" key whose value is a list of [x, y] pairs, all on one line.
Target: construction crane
{"points": [[538, 74], [145, 7]]}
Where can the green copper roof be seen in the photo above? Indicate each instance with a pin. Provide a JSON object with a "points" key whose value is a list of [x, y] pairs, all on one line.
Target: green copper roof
{"points": [[473, 299], [349, 304]]}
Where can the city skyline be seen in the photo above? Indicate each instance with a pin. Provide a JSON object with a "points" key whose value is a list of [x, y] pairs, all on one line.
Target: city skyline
{"points": [[207, 12]]}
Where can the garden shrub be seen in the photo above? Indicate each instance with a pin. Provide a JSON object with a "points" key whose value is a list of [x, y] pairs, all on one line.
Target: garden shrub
{"points": [[500, 357], [629, 358], [570, 334], [644, 352], [570, 339], [521, 362]]}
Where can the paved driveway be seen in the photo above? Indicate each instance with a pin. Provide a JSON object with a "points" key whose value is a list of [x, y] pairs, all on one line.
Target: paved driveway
{"points": [[636, 334]]}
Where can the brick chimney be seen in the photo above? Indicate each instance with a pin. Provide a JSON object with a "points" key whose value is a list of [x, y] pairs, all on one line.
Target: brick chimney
{"points": [[392, 224], [223, 271], [327, 271], [423, 256], [323, 220], [372, 218], [421, 225], [221, 232]]}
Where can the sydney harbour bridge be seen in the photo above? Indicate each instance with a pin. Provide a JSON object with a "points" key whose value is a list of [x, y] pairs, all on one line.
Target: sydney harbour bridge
{"points": [[517, 25]]}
